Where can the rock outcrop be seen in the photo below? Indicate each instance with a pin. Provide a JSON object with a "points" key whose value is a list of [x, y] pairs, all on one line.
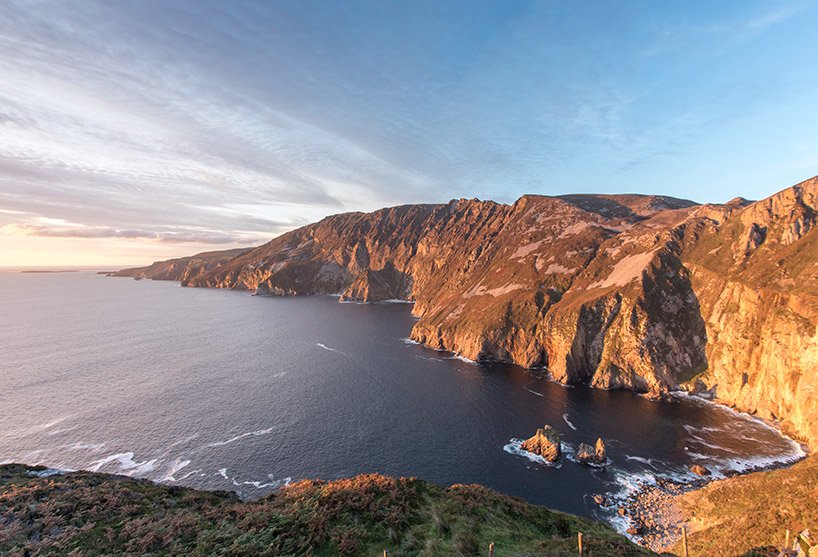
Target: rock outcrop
{"points": [[592, 455], [618, 291], [545, 443]]}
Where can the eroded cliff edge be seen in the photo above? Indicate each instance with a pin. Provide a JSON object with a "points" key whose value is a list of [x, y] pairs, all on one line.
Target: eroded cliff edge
{"points": [[620, 291]]}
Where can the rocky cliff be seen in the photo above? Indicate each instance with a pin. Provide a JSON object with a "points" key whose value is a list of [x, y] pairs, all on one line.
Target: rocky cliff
{"points": [[619, 291]]}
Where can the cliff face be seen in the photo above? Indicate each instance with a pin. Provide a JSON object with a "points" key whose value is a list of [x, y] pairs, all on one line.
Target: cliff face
{"points": [[624, 291]]}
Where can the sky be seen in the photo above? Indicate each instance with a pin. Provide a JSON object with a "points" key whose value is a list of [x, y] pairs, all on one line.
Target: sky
{"points": [[133, 131]]}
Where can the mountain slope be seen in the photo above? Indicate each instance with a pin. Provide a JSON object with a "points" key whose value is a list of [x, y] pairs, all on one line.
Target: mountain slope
{"points": [[619, 291]]}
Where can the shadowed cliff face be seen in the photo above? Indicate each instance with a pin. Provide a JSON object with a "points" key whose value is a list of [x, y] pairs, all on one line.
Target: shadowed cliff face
{"points": [[640, 292]]}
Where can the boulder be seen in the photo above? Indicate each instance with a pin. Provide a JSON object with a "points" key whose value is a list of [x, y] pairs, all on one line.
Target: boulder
{"points": [[699, 470], [545, 443], [592, 455]]}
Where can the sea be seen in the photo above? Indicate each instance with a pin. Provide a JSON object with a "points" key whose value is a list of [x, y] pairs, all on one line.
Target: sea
{"points": [[222, 390]]}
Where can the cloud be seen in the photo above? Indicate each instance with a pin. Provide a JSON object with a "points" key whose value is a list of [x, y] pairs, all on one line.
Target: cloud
{"points": [[152, 121], [80, 231]]}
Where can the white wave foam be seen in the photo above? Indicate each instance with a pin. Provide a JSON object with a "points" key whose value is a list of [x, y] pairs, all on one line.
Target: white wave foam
{"points": [[275, 484], [330, 349], [80, 446], [32, 430], [127, 464], [395, 301], [410, 341], [46, 473], [462, 359], [693, 429], [191, 473], [567, 421], [242, 436], [533, 392], [700, 441], [62, 430], [183, 441], [177, 465], [742, 465], [647, 461]]}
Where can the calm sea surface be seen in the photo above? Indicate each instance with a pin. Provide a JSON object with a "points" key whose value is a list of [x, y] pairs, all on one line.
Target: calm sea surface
{"points": [[221, 390]]}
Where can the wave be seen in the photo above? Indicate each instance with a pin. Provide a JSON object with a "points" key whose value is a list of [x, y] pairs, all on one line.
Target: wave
{"points": [[177, 465], [80, 446], [698, 440], [127, 464], [330, 349], [62, 430], [410, 341], [272, 483], [47, 472], [462, 359], [643, 460], [533, 392], [242, 436], [567, 421], [275, 484]]}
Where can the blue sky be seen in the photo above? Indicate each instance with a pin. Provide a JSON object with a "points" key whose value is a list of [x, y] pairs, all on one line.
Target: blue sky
{"points": [[132, 131]]}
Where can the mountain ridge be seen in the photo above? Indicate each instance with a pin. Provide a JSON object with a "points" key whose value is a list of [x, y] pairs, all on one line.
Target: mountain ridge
{"points": [[649, 293]]}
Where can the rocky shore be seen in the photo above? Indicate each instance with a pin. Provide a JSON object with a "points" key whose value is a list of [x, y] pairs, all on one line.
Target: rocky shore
{"points": [[654, 518], [772, 501]]}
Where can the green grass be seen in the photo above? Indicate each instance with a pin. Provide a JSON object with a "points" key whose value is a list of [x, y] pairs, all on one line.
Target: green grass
{"points": [[84, 513], [742, 515]]}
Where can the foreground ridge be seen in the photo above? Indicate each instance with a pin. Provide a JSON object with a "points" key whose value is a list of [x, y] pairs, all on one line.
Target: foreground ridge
{"points": [[637, 292], [44, 512]]}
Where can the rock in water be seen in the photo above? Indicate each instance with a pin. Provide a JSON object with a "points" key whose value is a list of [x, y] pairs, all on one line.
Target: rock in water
{"points": [[601, 455], [699, 470], [592, 455], [546, 443], [600, 500]]}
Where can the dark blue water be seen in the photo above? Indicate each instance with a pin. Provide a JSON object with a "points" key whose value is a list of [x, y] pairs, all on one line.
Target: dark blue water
{"points": [[218, 389]]}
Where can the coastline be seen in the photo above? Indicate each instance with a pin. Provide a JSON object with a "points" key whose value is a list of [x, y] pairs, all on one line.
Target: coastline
{"points": [[646, 509]]}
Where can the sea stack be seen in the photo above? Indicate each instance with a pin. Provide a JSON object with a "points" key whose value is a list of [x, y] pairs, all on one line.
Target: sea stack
{"points": [[545, 443], [592, 455]]}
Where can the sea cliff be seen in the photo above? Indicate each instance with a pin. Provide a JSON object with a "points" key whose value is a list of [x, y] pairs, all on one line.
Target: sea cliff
{"points": [[646, 293]]}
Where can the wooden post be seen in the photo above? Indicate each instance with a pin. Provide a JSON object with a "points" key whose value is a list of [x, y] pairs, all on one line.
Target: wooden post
{"points": [[579, 543], [385, 553], [491, 549], [787, 540], [684, 541]]}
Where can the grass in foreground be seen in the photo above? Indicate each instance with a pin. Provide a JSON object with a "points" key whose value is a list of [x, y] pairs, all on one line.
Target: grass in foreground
{"points": [[84, 513], [748, 515]]}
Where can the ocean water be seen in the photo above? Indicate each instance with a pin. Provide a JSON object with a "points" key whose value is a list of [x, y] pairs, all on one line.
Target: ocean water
{"points": [[218, 389]]}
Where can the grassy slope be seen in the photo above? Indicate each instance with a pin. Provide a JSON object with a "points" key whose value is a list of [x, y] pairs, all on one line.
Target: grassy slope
{"points": [[96, 514], [734, 516]]}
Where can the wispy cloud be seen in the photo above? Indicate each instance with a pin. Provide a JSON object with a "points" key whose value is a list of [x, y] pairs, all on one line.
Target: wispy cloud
{"points": [[213, 122], [80, 231]]}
